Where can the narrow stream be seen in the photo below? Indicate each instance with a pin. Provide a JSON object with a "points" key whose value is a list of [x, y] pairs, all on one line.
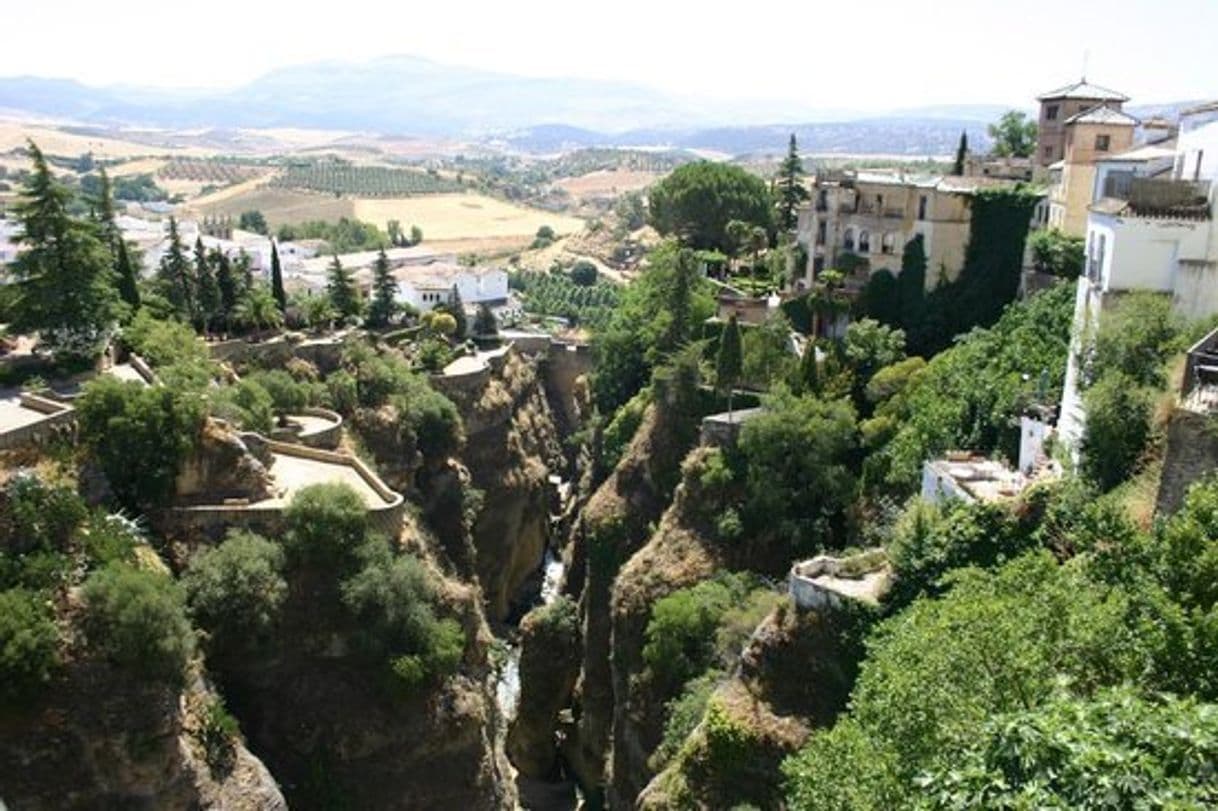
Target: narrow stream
{"points": [[507, 686]]}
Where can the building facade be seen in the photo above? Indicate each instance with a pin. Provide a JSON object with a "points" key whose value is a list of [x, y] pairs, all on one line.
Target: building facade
{"points": [[1058, 106], [1089, 137]]}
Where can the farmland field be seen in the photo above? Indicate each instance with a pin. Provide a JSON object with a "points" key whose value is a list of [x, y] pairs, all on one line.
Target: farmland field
{"points": [[363, 181], [468, 219], [607, 182]]}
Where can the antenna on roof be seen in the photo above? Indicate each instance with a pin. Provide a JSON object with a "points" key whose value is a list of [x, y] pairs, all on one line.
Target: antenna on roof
{"points": [[1086, 54]]}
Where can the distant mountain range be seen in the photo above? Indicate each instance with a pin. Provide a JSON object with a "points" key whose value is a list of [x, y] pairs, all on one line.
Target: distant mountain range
{"points": [[411, 96]]}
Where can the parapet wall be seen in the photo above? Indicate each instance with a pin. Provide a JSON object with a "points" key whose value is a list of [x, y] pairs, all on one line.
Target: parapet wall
{"points": [[59, 419]]}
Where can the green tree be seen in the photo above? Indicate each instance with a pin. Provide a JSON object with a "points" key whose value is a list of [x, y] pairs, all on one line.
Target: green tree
{"points": [[235, 591], [759, 240], [1056, 253], [176, 277], [1014, 135], [326, 525], [137, 619], [64, 287], [128, 288], [961, 155], [340, 287], [1116, 430], [258, 309], [384, 290], [736, 233], [207, 292], [791, 190], [228, 286], [139, 436], [809, 370], [584, 273], [911, 286], [729, 363], [253, 220], [680, 304], [416, 235], [281, 296], [485, 323], [696, 202]]}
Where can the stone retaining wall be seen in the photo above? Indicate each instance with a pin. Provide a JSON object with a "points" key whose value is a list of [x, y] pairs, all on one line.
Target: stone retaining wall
{"points": [[59, 419]]}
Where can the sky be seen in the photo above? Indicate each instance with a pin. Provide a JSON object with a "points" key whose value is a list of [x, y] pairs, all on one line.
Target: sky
{"points": [[857, 55]]}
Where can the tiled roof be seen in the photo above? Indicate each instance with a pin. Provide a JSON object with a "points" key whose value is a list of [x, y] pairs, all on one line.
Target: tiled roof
{"points": [[1083, 90], [1103, 115]]}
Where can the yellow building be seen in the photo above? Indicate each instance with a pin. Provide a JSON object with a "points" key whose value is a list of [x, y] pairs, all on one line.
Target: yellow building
{"points": [[1089, 136], [1058, 106]]}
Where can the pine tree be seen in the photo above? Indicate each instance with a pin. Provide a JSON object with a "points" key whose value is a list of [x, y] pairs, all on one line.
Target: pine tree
{"points": [[680, 296], [226, 283], [127, 279], [911, 288], [384, 289], [457, 308], [174, 274], [243, 268], [103, 210], [485, 323], [341, 289], [63, 277], [729, 363], [281, 297], [961, 154], [207, 300], [790, 188]]}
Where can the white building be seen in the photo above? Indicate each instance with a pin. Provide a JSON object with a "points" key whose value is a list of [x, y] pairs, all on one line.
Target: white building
{"points": [[9, 233], [1153, 229], [424, 287]]}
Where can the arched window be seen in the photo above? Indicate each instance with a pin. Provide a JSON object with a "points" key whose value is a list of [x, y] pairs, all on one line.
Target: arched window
{"points": [[864, 241], [888, 243], [848, 240]]}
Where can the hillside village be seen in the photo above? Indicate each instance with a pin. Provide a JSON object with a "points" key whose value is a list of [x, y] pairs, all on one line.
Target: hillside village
{"points": [[684, 495]]}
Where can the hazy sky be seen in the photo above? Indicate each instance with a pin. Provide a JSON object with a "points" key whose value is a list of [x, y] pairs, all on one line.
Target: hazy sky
{"points": [[861, 54]]}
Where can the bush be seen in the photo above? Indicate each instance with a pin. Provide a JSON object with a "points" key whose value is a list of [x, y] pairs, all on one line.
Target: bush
{"points": [[326, 524], [38, 515], [1136, 337], [139, 435], [429, 421], [393, 597], [29, 643], [137, 619], [1117, 429], [172, 348], [584, 273], [681, 715], [248, 404], [235, 590], [680, 635], [288, 394], [218, 730]]}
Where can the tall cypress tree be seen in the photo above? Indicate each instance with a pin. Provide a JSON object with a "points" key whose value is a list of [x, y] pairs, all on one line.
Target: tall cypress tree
{"points": [[281, 297], [457, 307], [384, 288], [175, 274], [207, 299], [227, 285], [729, 363], [680, 301], [128, 287], [340, 287], [791, 191], [809, 370], [63, 277], [961, 154]]}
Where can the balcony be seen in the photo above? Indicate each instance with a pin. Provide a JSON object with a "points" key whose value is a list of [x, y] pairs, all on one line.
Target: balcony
{"points": [[894, 213]]}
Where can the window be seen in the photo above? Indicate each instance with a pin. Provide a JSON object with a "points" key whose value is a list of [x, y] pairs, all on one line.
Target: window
{"points": [[1051, 112], [864, 242], [922, 201], [1048, 153], [822, 200], [848, 240], [1101, 143], [888, 243], [820, 232], [1197, 169]]}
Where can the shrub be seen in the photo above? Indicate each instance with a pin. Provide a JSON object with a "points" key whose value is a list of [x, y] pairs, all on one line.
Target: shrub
{"points": [[218, 730], [139, 435], [137, 619], [1136, 337], [393, 597], [248, 404], [288, 394], [38, 515], [29, 643], [1117, 429], [429, 421], [680, 635], [326, 524], [584, 273], [235, 590]]}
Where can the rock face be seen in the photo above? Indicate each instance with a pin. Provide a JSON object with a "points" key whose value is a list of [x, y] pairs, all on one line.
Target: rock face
{"points": [[222, 467], [102, 740], [549, 665], [338, 731], [511, 449], [795, 676]]}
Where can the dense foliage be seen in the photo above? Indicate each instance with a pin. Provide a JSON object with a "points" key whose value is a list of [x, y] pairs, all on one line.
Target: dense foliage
{"points": [[137, 619], [697, 201], [235, 590], [559, 294]]}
